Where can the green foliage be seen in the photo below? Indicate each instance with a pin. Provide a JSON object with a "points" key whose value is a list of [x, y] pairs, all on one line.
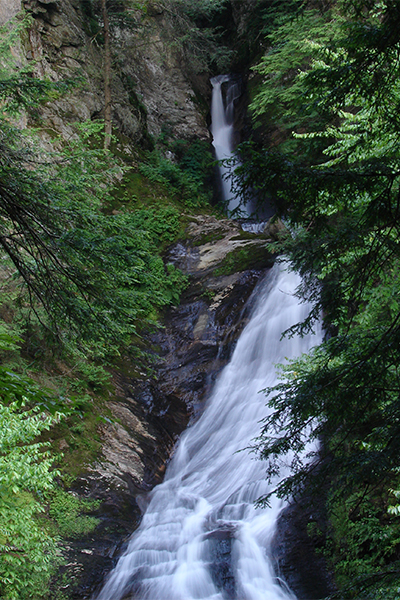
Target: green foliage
{"points": [[293, 45], [121, 14], [27, 551], [161, 224], [195, 159], [250, 256], [127, 278], [338, 188], [70, 513], [89, 277], [363, 540], [18, 89], [277, 13], [124, 245], [184, 178], [92, 376], [195, 34]]}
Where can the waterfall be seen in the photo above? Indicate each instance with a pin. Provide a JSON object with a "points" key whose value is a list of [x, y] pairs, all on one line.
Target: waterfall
{"points": [[222, 129], [204, 509], [201, 536]]}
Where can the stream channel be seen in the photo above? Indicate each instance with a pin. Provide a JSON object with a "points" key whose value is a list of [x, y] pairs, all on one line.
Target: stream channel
{"points": [[201, 535]]}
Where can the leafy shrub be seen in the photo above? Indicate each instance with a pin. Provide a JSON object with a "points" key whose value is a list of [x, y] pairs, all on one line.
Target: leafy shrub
{"points": [[181, 179], [69, 512], [27, 551]]}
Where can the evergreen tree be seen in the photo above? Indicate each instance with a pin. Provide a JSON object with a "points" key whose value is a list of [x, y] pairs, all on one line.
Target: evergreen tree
{"points": [[90, 276], [338, 186]]}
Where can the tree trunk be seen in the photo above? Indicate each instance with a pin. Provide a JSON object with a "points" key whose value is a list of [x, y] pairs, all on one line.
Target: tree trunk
{"points": [[107, 77]]}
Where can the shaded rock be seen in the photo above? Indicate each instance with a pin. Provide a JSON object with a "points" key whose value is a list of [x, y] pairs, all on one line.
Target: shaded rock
{"points": [[296, 555], [8, 10], [273, 228], [90, 557], [150, 89]]}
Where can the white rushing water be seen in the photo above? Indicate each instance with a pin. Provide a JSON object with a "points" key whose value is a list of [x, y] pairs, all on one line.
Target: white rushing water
{"points": [[222, 129], [206, 502]]}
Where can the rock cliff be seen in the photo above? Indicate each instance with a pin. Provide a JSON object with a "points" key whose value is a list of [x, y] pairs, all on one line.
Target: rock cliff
{"points": [[8, 10], [150, 86]]}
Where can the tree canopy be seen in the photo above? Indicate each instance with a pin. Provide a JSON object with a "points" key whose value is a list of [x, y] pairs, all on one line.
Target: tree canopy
{"points": [[336, 181]]}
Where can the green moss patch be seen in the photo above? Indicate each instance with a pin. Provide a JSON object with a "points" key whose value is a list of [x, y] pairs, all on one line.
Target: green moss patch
{"points": [[71, 513], [252, 256]]}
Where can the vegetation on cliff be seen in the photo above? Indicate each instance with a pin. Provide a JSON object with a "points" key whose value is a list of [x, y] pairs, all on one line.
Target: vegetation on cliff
{"points": [[80, 282]]}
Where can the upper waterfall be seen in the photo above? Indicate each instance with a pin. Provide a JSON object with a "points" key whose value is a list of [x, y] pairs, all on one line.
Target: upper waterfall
{"points": [[222, 129]]}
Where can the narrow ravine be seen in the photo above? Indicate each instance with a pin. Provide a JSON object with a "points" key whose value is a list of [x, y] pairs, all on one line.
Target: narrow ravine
{"points": [[201, 536], [226, 90]]}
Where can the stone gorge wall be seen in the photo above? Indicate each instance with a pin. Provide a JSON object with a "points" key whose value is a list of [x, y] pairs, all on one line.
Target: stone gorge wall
{"points": [[8, 9], [150, 87]]}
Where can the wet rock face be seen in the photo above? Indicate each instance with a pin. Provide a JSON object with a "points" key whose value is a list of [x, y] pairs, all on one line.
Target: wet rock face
{"points": [[297, 559], [221, 566], [199, 338]]}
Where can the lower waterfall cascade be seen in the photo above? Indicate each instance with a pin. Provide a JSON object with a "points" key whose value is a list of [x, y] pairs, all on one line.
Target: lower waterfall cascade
{"points": [[206, 504]]}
